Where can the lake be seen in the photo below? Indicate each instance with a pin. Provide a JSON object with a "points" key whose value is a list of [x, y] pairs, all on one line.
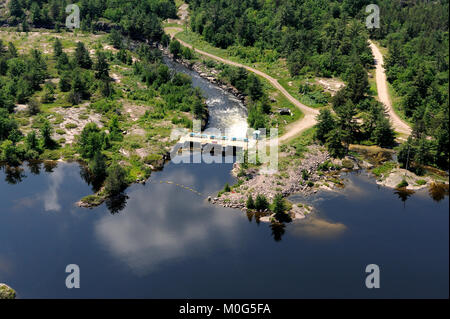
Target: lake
{"points": [[164, 240], [169, 242]]}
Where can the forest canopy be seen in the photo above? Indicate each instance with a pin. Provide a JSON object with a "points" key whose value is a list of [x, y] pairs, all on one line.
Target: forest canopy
{"points": [[136, 18]]}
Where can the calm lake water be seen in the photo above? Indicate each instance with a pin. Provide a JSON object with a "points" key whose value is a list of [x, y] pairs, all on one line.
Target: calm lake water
{"points": [[166, 241]]}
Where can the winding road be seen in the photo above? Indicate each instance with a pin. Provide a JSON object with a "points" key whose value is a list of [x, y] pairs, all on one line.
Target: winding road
{"points": [[383, 94], [293, 129], [309, 119]]}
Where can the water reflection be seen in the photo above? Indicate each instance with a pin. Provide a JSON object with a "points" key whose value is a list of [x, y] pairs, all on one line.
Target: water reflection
{"points": [[438, 191], [50, 166], [170, 242], [34, 167], [160, 225], [403, 194], [50, 197], [278, 230], [317, 227], [116, 203], [13, 175], [90, 179]]}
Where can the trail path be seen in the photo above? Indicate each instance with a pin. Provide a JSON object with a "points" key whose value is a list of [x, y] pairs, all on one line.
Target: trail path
{"points": [[293, 129], [309, 119], [383, 94]]}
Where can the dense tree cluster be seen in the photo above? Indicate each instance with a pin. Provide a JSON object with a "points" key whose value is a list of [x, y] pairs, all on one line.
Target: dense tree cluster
{"points": [[136, 18], [314, 35], [358, 117], [416, 34], [175, 88], [258, 103], [20, 74]]}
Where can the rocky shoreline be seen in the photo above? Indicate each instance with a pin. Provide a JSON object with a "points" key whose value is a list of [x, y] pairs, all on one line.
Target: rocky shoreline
{"points": [[207, 73], [258, 182]]}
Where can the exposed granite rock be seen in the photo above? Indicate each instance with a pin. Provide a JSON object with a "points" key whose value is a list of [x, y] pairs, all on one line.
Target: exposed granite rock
{"points": [[6, 292]]}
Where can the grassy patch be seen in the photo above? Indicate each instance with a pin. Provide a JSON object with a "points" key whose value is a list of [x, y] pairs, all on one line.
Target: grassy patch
{"points": [[402, 184], [383, 169]]}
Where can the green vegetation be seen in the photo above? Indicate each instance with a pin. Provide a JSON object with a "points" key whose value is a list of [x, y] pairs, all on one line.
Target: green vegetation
{"points": [[7, 292], [115, 181], [135, 18], [402, 184], [250, 204], [417, 40], [227, 188], [314, 36], [261, 203], [421, 182], [359, 118], [279, 208], [383, 169], [82, 77], [317, 38], [249, 84]]}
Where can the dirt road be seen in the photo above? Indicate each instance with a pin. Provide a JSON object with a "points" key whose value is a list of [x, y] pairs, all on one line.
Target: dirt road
{"points": [[383, 93], [293, 129], [309, 119]]}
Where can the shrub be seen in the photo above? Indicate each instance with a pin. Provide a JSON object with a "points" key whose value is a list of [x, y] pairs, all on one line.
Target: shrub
{"points": [[34, 107], [402, 184], [250, 204], [305, 175], [421, 182], [70, 126]]}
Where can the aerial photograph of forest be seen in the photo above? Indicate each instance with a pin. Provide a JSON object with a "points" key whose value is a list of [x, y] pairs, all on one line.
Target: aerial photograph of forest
{"points": [[224, 149]]}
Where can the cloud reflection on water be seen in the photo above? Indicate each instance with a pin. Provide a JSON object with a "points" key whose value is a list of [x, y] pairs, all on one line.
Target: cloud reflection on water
{"points": [[50, 197], [161, 225]]}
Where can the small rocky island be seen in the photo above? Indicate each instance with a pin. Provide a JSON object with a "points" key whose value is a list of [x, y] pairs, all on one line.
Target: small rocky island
{"points": [[7, 292]]}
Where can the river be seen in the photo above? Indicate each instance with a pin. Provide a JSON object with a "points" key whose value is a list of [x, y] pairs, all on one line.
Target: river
{"points": [[164, 240]]}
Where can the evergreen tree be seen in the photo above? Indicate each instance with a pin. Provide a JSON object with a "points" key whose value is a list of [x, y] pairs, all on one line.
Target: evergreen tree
{"points": [[325, 124], [261, 203], [15, 8], [57, 48], [46, 134], [279, 208], [101, 66], [250, 204], [97, 166], [82, 58], [334, 144], [115, 181], [175, 48], [115, 38], [32, 142]]}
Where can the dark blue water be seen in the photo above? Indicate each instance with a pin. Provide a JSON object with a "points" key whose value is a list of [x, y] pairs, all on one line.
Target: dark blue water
{"points": [[168, 242]]}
